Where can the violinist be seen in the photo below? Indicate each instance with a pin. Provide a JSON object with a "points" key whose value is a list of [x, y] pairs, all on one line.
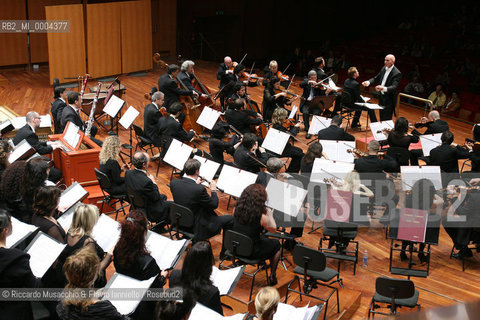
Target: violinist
{"points": [[447, 154], [273, 97], [170, 128], [225, 76], [335, 131], [399, 137], [186, 75], [281, 123], [433, 124], [309, 92], [372, 163], [238, 77], [273, 72], [249, 156], [240, 118], [217, 145]]}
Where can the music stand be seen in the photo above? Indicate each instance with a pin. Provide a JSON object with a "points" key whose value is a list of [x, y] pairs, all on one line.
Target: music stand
{"points": [[126, 121]]}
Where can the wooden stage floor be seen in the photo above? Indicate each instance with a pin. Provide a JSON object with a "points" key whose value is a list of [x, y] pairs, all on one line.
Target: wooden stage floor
{"points": [[446, 284]]}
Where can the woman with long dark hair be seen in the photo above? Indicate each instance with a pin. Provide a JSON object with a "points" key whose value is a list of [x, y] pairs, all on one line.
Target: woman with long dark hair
{"points": [[315, 150], [195, 275], [399, 137], [45, 205], [11, 186], [251, 216]]}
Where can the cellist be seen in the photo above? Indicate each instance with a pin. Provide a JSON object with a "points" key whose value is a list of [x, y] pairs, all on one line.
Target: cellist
{"points": [[240, 118], [240, 92], [186, 76]]}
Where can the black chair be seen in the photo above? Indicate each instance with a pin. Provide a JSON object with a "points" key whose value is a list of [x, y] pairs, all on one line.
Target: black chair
{"points": [[401, 155], [108, 198], [311, 264], [182, 221], [395, 293], [143, 142], [342, 234], [239, 249], [348, 108]]}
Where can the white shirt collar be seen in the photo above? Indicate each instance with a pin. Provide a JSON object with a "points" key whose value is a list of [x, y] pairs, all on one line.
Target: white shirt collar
{"points": [[74, 108], [156, 106], [33, 129], [62, 99], [389, 69]]}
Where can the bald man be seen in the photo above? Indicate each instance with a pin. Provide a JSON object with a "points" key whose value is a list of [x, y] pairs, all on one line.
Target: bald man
{"points": [[226, 76], [387, 81], [433, 124]]}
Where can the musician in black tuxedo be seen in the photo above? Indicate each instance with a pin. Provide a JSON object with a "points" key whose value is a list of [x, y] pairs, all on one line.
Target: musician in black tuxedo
{"points": [[240, 118], [188, 192], [171, 128], [372, 163], [225, 76], [60, 96], [71, 113], [352, 86], [447, 154], [388, 80], [335, 131], [240, 92], [309, 92], [140, 183], [433, 124], [151, 117], [186, 76], [245, 155], [170, 89]]}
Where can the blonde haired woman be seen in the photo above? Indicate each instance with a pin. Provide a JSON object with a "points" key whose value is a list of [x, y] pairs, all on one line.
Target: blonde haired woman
{"points": [[79, 236], [266, 303], [81, 273], [109, 165], [351, 182]]}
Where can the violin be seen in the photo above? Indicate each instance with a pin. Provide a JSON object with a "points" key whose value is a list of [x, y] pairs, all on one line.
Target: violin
{"points": [[385, 131], [423, 124], [360, 154], [250, 77], [281, 76], [290, 95]]}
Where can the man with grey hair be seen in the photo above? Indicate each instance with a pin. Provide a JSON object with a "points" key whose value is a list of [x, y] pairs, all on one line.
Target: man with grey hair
{"points": [[433, 123], [226, 76], [388, 80], [186, 75], [274, 169], [310, 91], [27, 132], [151, 116]]}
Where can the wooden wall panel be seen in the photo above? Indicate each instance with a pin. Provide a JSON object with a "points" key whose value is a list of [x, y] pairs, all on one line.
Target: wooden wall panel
{"points": [[13, 46], [38, 41], [66, 51], [103, 39], [164, 25], [136, 35]]}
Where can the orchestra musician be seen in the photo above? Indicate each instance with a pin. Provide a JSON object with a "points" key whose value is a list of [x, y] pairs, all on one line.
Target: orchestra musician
{"points": [[238, 71], [447, 154], [170, 128], [60, 96], [310, 90], [335, 131], [249, 155], [325, 90], [273, 72], [240, 92], [273, 98], [315, 150], [352, 86], [388, 80], [371, 163], [433, 124], [151, 117], [226, 76], [279, 119], [217, 145], [240, 118], [400, 138], [186, 76]]}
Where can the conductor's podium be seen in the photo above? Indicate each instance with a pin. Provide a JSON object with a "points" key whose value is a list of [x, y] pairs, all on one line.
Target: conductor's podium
{"points": [[77, 165]]}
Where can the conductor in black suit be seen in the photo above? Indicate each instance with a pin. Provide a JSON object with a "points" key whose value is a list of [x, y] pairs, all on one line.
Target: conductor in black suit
{"points": [[335, 131], [60, 96], [189, 193], [388, 80], [151, 117], [71, 113], [140, 183]]}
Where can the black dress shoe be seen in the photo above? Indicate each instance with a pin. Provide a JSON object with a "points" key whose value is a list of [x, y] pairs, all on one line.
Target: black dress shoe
{"points": [[308, 136], [403, 256], [356, 125], [458, 255]]}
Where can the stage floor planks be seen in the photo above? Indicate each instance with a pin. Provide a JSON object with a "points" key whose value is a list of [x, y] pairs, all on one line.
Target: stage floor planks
{"points": [[446, 284]]}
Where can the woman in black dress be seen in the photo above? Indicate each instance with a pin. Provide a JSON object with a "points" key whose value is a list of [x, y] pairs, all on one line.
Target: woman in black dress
{"points": [[5, 150], [315, 150], [109, 165], [400, 138], [81, 270], [266, 303], [251, 216], [10, 191], [272, 100], [44, 207], [195, 275], [15, 272]]}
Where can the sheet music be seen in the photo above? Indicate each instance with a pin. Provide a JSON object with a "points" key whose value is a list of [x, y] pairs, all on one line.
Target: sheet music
{"points": [[18, 122], [177, 154], [71, 195], [323, 168], [233, 180], [65, 220], [319, 123], [20, 150], [120, 281], [45, 121], [365, 99], [430, 141], [208, 117], [106, 232], [71, 135], [113, 106], [371, 106], [128, 117], [411, 174], [275, 141], [337, 150], [332, 85], [20, 230], [224, 279], [164, 250], [43, 251], [380, 126], [208, 168], [285, 197], [293, 112], [289, 312], [6, 124], [200, 312]]}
